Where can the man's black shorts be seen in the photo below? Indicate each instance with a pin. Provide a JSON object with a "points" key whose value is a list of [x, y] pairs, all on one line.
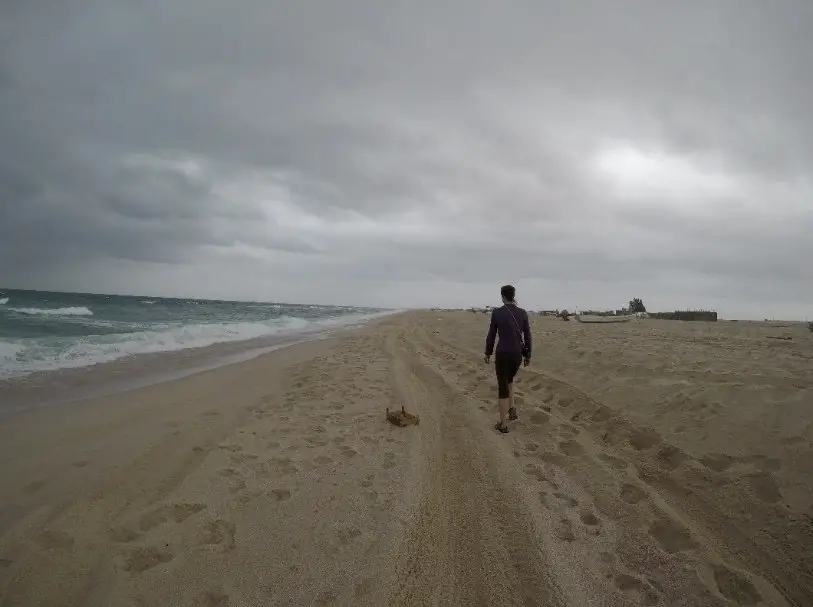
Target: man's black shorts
{"points": [[506, 364]]}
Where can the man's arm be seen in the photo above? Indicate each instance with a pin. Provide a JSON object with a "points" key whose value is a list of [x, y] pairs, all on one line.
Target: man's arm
{"points": [[526, 330], [492, 333]]}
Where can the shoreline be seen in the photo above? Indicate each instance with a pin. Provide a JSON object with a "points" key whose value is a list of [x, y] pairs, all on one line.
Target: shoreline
{"points": [[42, 389]]}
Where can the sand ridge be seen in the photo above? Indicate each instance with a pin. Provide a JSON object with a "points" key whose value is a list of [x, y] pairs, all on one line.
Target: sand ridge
{"points": [[278, 481]]}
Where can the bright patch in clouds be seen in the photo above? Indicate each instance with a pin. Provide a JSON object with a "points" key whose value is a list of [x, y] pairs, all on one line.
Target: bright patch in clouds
{"points": [[636, 174]]}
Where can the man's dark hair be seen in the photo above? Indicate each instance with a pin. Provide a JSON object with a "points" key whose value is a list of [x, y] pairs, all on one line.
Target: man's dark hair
{"points": [[508, 292]]}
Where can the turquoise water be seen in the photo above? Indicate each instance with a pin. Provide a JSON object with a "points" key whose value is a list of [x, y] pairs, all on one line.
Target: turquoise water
{"points": [[42, 331]]}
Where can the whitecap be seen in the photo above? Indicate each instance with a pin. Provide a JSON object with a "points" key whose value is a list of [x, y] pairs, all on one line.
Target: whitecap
{"points": [[45, 354], [72, 311]]}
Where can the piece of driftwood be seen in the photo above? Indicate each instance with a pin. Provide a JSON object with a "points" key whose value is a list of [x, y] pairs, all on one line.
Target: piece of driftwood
{"points": [[402, 418]]}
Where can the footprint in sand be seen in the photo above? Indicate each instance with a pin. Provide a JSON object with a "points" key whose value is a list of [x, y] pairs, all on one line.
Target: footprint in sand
{"points": [[670, 457], [368, 481], [642, 440], [363, 588], [232, 448], [283, 466], [539, 418], [242, 457], [237, 486], [631, 494], [51, 539], [671, 537], [589, 519], [718, 462], [615, 462], [628, 584], [347, 451], [565, 401], [211, 598], [766, 464], [634, 588], [535, 471], [735, 587], [176, 512], [327, 598], [764, 487], [219, 533], [281, 494], [564, 530], [122, 535], [571, 448], [34, 487], [345, 536], [389, 460], [142, 559], [571, 501]]}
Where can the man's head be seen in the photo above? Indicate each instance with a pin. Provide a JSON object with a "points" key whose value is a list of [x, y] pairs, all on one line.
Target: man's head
{"points": [[508, 293]]}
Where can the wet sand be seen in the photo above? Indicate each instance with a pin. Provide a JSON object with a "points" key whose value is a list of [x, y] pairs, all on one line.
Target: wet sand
{"points": [[654, 463]]}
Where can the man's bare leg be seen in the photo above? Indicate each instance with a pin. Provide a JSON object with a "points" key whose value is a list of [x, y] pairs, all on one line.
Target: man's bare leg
{"points": [[503, 404], [512, 412]]}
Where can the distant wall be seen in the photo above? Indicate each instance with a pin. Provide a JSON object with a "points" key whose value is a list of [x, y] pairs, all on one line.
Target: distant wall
{"points": [[701, 315]]}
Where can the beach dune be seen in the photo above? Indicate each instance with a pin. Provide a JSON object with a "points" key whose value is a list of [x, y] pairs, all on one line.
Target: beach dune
{"points": [[654, 463]]}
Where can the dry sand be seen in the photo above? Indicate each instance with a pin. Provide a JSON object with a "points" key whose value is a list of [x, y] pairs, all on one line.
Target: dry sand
{"points": [[654, 463]]}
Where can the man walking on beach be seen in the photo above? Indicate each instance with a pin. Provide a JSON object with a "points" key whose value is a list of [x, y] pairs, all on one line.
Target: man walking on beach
{"points": [[511, 323]]}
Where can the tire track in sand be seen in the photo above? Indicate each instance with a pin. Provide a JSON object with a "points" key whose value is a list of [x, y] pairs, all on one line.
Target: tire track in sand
{"points": [[470, 538]]}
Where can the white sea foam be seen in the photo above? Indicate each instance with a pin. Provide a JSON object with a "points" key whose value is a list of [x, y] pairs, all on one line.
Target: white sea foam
{"points": [[3, 301], [29, 355], [74, 311]]}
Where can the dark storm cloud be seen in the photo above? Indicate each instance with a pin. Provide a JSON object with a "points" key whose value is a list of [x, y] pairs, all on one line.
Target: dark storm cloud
{"points": [[372, 143]]}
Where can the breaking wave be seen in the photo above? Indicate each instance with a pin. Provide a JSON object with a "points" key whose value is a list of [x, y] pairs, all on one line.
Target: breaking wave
{"points": [[29, 355], [73, 311]]}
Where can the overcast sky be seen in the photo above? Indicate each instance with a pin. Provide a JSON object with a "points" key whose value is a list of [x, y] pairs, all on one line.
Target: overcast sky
{"points": [[402, 154]]}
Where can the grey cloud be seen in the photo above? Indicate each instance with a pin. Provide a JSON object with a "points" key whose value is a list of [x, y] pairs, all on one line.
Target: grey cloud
{"points": [[478, 121]]}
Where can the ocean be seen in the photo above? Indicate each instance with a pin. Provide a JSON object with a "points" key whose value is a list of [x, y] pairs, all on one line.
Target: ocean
{"points": [[44, 331]]}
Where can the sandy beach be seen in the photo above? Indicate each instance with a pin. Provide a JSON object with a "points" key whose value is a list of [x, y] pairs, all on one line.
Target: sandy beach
{"points": [[654, 463]]}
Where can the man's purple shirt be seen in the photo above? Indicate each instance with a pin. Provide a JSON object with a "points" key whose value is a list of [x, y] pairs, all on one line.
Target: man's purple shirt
{"points": [[503, 324]]}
